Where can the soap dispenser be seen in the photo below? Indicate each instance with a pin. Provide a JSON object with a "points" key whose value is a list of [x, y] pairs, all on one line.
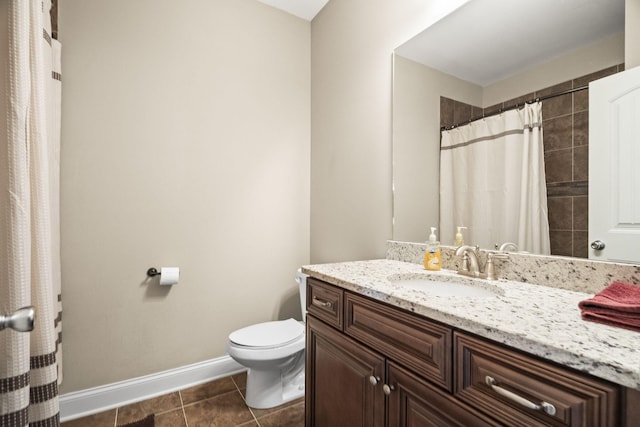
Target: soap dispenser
{"points": [[432, 258], [459, 238]]}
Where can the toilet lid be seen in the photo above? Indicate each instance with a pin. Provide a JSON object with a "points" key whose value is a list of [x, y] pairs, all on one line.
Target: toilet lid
{"points": [[268, 333]]}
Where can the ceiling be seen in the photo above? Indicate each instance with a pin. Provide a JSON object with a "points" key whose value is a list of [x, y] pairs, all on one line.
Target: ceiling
{"points": [[305, 9], [485, 41]]}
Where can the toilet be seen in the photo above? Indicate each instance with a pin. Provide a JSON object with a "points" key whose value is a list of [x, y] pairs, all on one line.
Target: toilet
{"points": [[274, 354]]}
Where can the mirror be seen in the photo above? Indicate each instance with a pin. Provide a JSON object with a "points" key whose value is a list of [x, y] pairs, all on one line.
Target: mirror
{"points": [[485, 55]]}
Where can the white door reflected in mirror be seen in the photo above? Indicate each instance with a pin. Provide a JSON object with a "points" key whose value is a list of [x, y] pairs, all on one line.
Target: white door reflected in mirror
{"points": [[614, 176]]}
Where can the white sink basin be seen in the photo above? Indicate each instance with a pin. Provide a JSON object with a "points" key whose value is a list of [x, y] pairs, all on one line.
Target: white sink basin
{"points": [[443, 288]]}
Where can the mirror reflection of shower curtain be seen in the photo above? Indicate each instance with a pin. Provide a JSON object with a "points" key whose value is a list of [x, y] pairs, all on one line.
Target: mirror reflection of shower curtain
{"points": [[492, 181]]}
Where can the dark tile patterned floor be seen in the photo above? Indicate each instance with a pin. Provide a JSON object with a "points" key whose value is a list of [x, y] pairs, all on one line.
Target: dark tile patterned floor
{"points": [[219, 403]]}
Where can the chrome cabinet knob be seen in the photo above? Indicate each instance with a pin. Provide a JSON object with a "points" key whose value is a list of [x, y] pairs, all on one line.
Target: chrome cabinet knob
{"points": [[387, 389], [374, 380], [597, 245]]}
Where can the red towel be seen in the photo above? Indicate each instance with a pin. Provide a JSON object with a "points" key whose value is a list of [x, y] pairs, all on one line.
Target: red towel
{"points": [[618, 305]]}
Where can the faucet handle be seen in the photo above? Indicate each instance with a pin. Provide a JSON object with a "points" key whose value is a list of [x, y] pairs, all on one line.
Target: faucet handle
{"points": [[465, 262], [490, 269]]}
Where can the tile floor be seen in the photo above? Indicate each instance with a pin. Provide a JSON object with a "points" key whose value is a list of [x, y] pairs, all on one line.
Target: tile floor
{"points": [[219, 403]]}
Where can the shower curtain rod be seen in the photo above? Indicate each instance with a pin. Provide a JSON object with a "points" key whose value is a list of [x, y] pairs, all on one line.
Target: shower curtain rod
{"points": [[517, 105]]}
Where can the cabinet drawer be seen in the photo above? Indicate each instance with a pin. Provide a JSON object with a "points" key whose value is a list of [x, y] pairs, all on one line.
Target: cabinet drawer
{"points": [[503, 383], [416, 402], [417, 343], [325, 302]]}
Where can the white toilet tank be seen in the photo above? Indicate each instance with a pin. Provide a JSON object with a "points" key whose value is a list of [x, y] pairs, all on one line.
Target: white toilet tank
{"points": [[301, 278]]}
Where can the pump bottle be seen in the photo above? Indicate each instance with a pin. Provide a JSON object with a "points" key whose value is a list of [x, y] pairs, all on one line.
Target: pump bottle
{"points": [[459, 238], [432, 258]]}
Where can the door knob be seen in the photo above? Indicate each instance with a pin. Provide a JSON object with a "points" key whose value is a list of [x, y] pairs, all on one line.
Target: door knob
{"points": [[597, 245], [21, 320]]}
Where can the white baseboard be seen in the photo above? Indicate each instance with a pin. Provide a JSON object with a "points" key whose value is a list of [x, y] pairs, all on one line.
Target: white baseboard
{"points": [[91, 401]]}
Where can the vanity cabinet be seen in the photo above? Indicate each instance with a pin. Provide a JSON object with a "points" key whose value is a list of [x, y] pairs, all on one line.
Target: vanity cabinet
{"points": [[362, 363], [372, 364], [350, 385]]}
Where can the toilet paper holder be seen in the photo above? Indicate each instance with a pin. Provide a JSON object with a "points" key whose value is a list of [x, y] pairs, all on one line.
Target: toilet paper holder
{"points": [[152, 272], [167, 275]]}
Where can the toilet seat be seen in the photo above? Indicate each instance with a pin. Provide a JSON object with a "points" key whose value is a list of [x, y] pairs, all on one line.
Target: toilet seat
{"points": [[268, 334]]}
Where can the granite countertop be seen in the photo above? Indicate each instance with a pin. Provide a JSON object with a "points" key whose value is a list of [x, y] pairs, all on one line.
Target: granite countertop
{"points": [[540, 320]]}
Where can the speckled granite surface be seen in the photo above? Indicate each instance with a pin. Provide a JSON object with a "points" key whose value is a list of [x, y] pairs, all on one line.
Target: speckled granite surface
{"points": [[574, 274], [541, 320]]}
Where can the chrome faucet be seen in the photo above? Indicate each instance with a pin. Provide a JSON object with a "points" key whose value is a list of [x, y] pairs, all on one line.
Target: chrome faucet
{"points": [[471, 264], [506, 245]]}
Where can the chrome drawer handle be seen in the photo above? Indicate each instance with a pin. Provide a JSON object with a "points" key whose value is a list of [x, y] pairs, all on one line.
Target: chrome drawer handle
{"points": [[544, 406], [320, 303]]}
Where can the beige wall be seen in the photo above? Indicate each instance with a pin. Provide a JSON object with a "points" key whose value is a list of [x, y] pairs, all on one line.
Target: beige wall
{"points": [[416, 144], [351, 55], [580, 62], [632, 33], [185, 143]]}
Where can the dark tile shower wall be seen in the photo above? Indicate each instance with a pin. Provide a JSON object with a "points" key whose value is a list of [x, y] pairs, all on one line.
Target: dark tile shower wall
{"points": [[566, 155], [54, 18]]}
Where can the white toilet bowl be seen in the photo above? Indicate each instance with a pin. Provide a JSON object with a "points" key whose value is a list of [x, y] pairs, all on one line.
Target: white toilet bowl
{"points": [[274, 354]]}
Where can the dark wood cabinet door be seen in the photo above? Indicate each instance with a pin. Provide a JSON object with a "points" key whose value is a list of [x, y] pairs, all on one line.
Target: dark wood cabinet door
{"points": [[414, 402], [339, 390]]}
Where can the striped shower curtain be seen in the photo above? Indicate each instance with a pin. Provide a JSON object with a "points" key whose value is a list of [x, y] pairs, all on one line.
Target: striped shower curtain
{"points": [[492, 181], [29, 213]]}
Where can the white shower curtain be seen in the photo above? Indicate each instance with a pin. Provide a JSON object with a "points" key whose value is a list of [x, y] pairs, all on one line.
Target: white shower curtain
{"points": [[492, 181], [29, 213]]}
